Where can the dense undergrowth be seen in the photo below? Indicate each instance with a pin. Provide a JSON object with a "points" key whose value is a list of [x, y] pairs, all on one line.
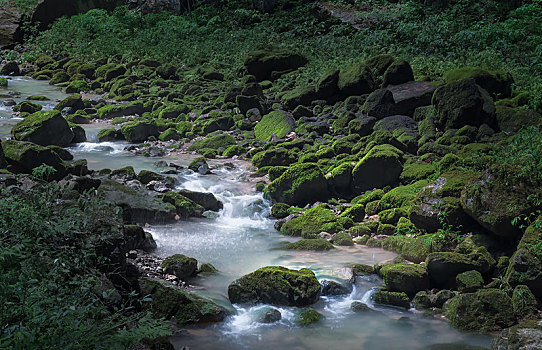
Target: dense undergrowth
{"points": [[49, 294], [221, 34], [21, 5]]}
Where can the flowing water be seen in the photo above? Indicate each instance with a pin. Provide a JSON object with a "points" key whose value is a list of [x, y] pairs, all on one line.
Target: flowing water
{"points": [[240, 240]]}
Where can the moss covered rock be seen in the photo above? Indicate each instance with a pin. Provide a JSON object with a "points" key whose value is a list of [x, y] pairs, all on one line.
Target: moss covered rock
{"points": [[185, 307], [184, 206], [398, 299], [139, 131], [310, 224], [310, 244], [77, 86], [276, 285], [524, 302], [525, 336], [121, 110], [408, 278], [496, 82], [23, 157], [307, 317], [109, 134], [27, 107], [380, 167], [443, 267], [274, 157], [136, 207], [214, 141], [356, 79], [513, 119], [525, 266], [180, 266], [487, 310], [44, 128], [278, 123], [299, 185], [469, 281], [270, 63], [463, 103]]}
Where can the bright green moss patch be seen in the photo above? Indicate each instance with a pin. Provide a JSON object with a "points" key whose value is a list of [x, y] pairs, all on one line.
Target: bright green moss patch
{"points": [[310, 244], [276, 123], [310, 224]]}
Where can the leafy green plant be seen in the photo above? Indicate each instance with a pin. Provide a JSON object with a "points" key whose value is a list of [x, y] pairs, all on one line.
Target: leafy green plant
{"points": [[43, 172]]}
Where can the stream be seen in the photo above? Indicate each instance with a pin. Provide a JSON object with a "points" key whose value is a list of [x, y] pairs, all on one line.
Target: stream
{"points": [[240, 240]]}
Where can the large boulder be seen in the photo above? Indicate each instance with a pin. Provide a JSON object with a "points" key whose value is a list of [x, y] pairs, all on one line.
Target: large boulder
{"points": [[44, 128], [169, 301], [461, 103], [486, 310], [443, 267], [23, 157], [121, 110], [380, 104], [137, 207], [274, 157], [399, 72], [408, 278], [276, 123], [10, 21], [356, 80], [139, 131], [524, 336], [276, 285], [497, 83], [494, 202], [525, 267], [180, 265], [310, 224], [184, 206], [270, 63], [206, 199], [380, 167], [299, 185], [411, 95]]}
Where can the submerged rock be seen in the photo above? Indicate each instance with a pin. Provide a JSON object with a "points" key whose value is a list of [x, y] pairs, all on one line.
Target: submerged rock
{"points": [[307, 317], [276, 285], [270, 315]]}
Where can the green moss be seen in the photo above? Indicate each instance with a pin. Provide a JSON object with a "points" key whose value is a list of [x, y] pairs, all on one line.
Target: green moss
{"points": [[392, 216], [408, 278], [369, 196], [307, 317], [402, 195], [380, 167], [469, 281], [28, 107], [345, 144], [365, 228], [416, 171], [356, 212], [495, 82], [77, 86], [310, 224], [276, 285], [300, 184], [184, 206], [107, 135], [280, 210], [317, 244], [524, 302], [343, 239], [277, 123], [215, 141], [362, 269], [486, 310], [398, 299], [3, 82]]}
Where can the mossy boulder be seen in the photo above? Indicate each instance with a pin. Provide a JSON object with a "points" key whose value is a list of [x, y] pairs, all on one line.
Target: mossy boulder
{"points": [[340, 177], [356, 79], [513, 119], [307, 317], [3, 82], [310, 224], [280, 210], [44, 128], [343, 238], [302, 95], [74, 102], [398, 299], [169, 301], [524, 302], [23, 157], [109, 134], [525, 336], [276, 285], [269, 63], [139, 131], [496, 82], [213, 141], [356, 212], [10, 68], [299, 185], [443, 267], [494, 201], [486, 310], [469, 281], [381, 167], [392, 216], [525, 266], [184, 206], [136, 207], [408, 278], [278, 123], [399, 72], [77, 86], [121, 110], [180, 265], [379, 104], [170, 135], [317, 244], [463, 103], [27, 107]]}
